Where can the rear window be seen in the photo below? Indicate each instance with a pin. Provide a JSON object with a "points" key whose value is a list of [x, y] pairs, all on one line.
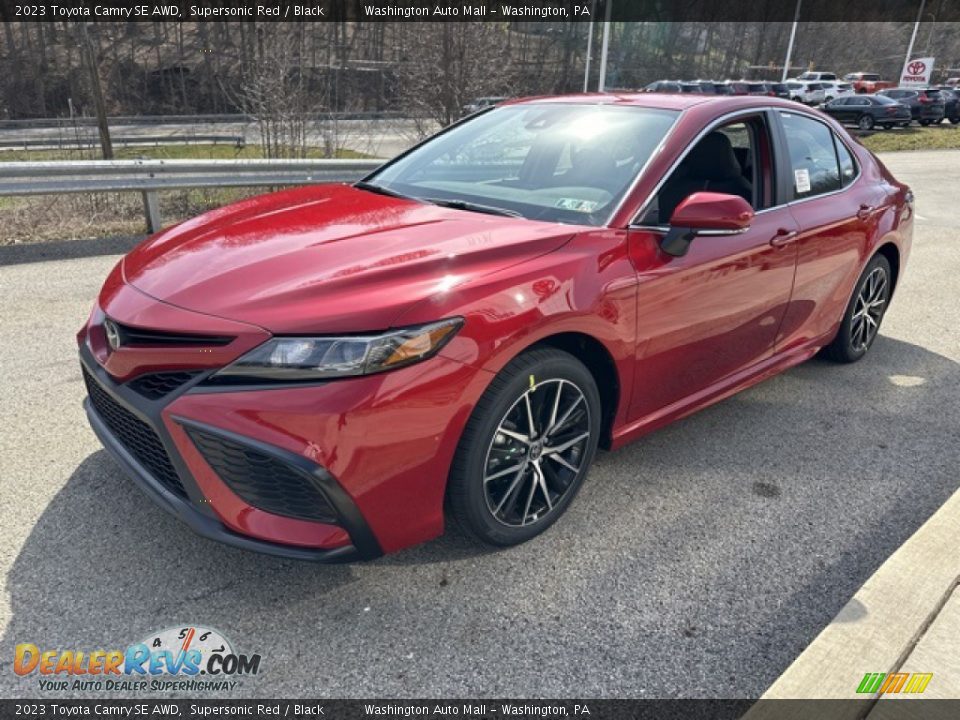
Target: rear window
{"points": [[757, 87]]}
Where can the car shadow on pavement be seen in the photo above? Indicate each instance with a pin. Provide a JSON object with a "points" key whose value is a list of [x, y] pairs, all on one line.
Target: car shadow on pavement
{"points": [[735, 535]]}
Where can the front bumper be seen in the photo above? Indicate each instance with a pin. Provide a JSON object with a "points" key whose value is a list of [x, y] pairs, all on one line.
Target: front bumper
{"points": [[186, 500], [193, 518]]}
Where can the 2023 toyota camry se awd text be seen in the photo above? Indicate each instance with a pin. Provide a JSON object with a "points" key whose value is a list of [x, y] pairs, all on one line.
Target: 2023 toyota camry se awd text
{"points": [[326, 372]]}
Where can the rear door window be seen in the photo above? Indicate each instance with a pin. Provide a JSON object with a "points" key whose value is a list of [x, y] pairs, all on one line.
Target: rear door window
{"points": [[814, 167]]}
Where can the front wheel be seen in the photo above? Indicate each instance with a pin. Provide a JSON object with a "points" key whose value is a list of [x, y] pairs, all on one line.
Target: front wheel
{"points": [[526, 448], [865, 122], [864, 313]]}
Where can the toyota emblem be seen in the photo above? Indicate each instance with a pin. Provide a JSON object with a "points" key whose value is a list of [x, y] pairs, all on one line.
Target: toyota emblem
{"points": [[917, 67], [113, 334]]}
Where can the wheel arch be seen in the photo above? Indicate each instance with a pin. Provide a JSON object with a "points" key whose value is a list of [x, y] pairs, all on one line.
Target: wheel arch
{"points": [[892, 253], [598, 360]]}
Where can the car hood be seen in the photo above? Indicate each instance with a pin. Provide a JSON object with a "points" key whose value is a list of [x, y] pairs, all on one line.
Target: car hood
{"points": [[328, 258]]}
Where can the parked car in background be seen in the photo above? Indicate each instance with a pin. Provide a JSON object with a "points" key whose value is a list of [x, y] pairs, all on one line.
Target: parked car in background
{"points": [[714, 87], [867, 111], [747, 87], [864, 82], [926, 105], [808, 93], [481, 103], [663, 86], [833, 90], [780, 90], [952, 82], [816, 76], [951, 103]]}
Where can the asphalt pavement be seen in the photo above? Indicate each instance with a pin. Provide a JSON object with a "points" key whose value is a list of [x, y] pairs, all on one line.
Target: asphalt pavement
{"points": [[697, 562]]}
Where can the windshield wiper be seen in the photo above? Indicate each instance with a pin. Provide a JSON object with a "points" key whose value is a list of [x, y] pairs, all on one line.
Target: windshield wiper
{"points": [[472, 207], [381, 190]]}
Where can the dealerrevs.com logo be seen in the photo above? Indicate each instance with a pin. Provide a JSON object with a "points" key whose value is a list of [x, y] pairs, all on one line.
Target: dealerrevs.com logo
{"points": [[192, 658]]}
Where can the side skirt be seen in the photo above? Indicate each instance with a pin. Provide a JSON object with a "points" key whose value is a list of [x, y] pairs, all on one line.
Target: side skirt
{"points": [[715, 393]]}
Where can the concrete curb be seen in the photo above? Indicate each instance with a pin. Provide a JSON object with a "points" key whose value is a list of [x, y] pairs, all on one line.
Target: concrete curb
{"points": [[881, 626]]}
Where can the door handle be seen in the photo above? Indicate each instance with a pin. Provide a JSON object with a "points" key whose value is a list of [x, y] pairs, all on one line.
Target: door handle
{"points": [[864, 212], [784, 238]]}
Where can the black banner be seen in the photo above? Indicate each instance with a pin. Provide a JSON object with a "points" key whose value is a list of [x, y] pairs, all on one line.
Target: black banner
{"points": [[156, 708], [467, 10]]}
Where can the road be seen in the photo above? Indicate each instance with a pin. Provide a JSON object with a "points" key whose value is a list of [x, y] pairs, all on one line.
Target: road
{"points": [[697, 562]]}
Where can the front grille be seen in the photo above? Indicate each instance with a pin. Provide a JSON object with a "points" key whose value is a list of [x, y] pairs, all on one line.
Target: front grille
{"points": [[130, 335], [156, 385], [264, 481], [136, 436]]}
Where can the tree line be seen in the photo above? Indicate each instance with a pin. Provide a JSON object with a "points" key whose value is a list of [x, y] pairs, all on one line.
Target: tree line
{"points": [[427, 69]]}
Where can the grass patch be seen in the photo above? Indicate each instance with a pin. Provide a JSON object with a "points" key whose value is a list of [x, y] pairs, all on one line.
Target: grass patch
{"points": [[945, 136], [165, 152]]}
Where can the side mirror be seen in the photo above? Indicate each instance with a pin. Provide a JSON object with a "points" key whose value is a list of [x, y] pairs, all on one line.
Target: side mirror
{"points": [[705, 213]]}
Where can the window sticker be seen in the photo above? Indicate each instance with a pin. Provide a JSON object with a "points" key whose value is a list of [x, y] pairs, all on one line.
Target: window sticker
{"points": [[577, 205], [801, 178]]}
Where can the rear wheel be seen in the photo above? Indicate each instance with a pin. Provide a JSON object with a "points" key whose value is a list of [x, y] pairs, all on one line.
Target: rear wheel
{"points": [[526, 449], [861, 321], [925, 122], [865, 122]]}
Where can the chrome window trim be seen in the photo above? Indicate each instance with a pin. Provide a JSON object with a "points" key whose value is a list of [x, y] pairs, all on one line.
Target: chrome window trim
{"points": [[721, 120], [709, 128], [664, 229]]}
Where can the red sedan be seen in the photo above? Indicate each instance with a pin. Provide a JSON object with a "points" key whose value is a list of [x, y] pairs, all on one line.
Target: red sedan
{"points": [[326, 372]]}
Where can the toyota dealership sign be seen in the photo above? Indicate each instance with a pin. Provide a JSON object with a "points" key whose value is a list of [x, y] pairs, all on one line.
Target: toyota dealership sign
{"points": [[917, 72]]}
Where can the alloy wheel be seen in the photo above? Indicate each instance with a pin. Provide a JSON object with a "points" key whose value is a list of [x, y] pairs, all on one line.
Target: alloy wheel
{"points": [[868, 310], [536, 452]]}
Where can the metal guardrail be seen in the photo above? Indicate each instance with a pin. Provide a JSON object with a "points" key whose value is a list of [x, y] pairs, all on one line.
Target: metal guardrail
{"points": [[130, 141], [150, 176], [118, 120]]}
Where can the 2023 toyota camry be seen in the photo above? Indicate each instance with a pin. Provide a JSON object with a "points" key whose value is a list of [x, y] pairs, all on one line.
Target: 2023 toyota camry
{"points": [[320, 373]]}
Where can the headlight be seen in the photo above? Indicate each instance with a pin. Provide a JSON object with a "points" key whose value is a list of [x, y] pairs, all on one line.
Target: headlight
{"points": [[312, 358]]}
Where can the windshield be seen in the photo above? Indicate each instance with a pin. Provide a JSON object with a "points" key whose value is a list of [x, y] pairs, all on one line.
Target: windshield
{"points": [[551, 162]]}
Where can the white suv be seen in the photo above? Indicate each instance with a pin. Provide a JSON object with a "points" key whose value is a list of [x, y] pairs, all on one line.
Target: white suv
{"points": [[806, 92], [817, 76], [833, 90]]}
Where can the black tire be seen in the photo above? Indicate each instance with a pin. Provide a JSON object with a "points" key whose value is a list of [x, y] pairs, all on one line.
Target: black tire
{"points": [[849, 346], [925, 122], [887, 126], [865, 122], [470, 497], [955, 119]]}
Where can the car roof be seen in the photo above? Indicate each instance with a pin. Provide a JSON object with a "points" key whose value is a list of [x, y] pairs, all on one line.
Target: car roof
{"points": [[665, 101]]}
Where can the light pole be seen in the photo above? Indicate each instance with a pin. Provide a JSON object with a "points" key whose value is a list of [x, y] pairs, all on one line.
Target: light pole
{"points": [[586, 67], [601, 84], [793, 35]]}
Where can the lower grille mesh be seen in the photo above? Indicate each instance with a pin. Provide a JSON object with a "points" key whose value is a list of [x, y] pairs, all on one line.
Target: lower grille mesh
{"points": [[136, 436], [263, 481], [156, 385]]}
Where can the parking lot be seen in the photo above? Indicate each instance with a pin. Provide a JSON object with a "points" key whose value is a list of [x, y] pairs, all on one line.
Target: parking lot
{"points": [[697, 562]]}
